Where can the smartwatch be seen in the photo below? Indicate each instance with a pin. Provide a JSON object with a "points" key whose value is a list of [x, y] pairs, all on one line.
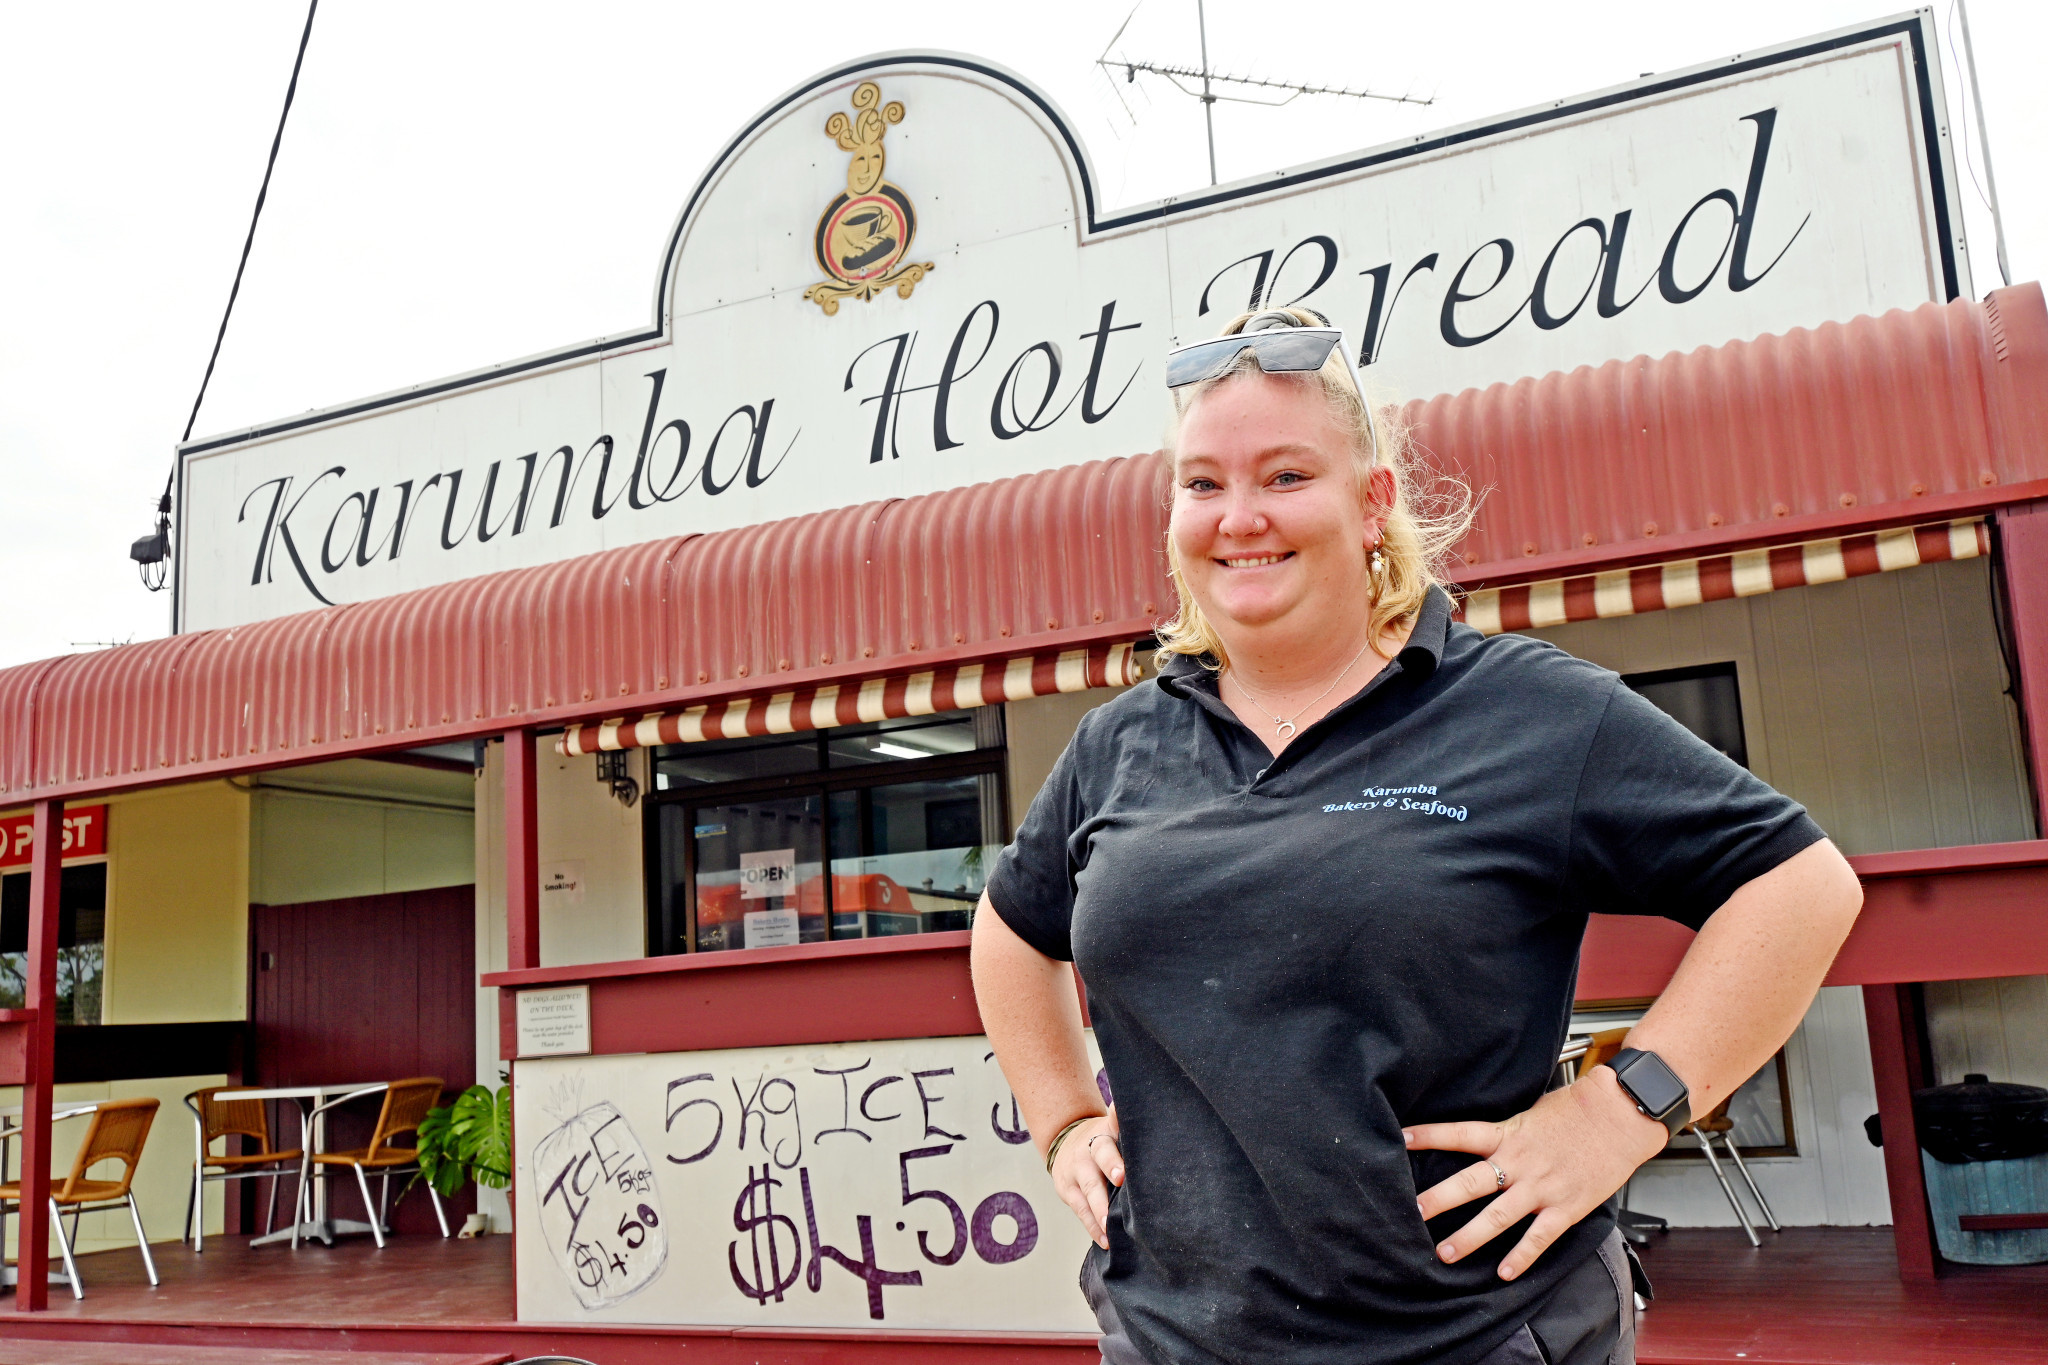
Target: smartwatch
{"points": [[1654, 1087]]}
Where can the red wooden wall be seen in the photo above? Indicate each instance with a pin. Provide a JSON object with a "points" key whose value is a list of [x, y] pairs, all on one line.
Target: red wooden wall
{"points": [[368, 988]]}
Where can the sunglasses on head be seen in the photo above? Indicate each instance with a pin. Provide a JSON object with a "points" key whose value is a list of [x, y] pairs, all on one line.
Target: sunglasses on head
{"points": [[1279, 345], [1278, 350]]}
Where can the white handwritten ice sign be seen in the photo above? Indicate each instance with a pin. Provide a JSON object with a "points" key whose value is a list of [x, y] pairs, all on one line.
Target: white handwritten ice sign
{"points": [[600, 1213], [873, 1185]]}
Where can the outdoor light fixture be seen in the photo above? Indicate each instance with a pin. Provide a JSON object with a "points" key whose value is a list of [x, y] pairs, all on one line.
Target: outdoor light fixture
{"points": [[152, 553], [611, 770]]}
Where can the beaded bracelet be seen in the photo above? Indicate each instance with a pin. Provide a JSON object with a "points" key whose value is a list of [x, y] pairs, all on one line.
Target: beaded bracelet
{"points": [[1052, 1152]]}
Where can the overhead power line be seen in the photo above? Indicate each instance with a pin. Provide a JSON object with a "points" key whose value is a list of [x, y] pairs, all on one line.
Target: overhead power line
{"points": [[152, 553]]}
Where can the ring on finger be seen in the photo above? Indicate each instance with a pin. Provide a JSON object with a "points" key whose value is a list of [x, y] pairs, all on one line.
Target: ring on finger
{"points": [[1099, 1136], [1500, 1177]]}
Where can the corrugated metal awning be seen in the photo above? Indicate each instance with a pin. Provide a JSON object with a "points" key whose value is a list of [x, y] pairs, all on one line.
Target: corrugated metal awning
{"points": [[1746, 573], [924, 693]]}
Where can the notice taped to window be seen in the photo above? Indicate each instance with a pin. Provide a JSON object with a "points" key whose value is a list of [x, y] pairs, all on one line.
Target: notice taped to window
{"points": [[768, 873], [554, 1021]]}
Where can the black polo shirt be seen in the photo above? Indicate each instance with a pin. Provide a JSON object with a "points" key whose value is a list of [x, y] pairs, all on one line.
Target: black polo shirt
{"points": [[1289, 958]]}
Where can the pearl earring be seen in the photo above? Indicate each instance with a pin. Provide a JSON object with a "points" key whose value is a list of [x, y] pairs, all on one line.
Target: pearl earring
{"points": [[1378, 562]]}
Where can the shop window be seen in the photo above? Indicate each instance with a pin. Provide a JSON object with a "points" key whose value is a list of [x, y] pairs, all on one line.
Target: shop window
{"points": [[81, 942], [1705, 700], [863, 831]]}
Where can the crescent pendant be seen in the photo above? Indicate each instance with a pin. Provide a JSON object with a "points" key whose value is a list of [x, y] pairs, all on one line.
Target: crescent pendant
{"points": [[1286, 729]]}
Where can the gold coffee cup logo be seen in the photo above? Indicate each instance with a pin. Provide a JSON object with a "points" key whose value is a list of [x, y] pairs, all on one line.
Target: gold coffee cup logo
{"points": [[865, 233]]}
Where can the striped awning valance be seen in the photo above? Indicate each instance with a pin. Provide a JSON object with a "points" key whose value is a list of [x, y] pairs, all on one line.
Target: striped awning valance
{"points": [[951, 688], [1747, 573]]}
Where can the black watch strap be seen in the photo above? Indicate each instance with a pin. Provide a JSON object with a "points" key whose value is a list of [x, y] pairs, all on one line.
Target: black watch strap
{"points": [[1655, 1088]]}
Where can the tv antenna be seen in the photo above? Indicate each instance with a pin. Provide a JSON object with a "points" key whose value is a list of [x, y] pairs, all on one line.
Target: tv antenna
{"points": [[1210, 78]]}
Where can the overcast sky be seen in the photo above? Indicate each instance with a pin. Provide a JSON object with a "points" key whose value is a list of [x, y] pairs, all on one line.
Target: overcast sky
{"points": [[462, 184]]}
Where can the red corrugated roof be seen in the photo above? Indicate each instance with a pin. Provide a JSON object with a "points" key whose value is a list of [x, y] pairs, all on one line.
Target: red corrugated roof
{"points": [[1911, 416], [1896, 420]]}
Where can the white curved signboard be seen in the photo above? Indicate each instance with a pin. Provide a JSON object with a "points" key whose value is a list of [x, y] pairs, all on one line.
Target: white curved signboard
{"points": [[897, 279]]}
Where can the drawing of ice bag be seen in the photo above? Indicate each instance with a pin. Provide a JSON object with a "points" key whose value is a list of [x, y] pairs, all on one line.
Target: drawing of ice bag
{"points": [[599, 1211]]}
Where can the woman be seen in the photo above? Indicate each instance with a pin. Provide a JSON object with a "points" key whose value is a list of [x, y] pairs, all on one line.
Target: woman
{"points": [[1325, 879]]}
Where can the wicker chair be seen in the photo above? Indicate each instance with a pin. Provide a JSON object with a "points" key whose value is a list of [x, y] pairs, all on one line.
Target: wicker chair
{"points": [[212, 1119], [117, 1132], [406, 1102]]}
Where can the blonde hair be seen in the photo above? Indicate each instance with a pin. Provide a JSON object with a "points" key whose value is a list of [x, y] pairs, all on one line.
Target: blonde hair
{"points": [[1430, 512]]}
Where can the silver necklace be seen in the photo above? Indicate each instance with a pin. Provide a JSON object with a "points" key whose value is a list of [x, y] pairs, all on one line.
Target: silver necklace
{"points": [[1283, 726]]}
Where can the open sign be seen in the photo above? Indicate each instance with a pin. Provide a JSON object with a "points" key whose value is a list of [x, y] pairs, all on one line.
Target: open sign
{"points": [[85, 836], [770, 872]]}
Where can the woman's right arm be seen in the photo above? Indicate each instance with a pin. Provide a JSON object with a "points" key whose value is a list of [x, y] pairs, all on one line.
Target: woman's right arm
{"points": [[1032, 1013]]}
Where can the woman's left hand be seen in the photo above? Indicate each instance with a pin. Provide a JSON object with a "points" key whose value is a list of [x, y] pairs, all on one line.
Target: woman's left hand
{"points": [[1562, 1159]]}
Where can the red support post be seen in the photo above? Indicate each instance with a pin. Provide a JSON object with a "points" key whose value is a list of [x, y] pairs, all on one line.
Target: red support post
{"points": [[46, 870], [522, 852], [1900, 1068], [2023, 561]]}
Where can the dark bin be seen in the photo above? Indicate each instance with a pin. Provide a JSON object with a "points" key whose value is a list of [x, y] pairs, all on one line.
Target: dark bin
{"points": [[1984, 1149]]}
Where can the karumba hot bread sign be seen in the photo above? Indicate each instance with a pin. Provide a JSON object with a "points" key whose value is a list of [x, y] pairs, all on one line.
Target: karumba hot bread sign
{"points": [[898, 278]]}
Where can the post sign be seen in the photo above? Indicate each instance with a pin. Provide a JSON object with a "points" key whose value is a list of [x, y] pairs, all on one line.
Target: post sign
{"points": [[864, 1185], [899, 278], [85, 836]]}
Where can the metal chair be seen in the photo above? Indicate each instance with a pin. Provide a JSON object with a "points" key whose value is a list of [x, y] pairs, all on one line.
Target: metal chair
{"points": [[118, 1130], [213, 1118], [406, 1102], [1636, 1227], [1718, 1124]]}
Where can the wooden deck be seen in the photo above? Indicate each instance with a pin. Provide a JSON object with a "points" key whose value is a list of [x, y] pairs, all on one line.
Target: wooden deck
{"points": [[1807, 1297]]}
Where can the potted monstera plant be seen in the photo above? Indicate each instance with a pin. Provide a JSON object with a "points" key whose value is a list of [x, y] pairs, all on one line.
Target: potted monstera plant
{"points": [[470, 1139]]}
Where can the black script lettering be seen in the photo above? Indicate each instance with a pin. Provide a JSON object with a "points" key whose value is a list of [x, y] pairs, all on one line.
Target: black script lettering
{"points": [[669, 492], [1100, 336], [1447, 322], [1006, 394], [755, 475], [1739, 278], [484, 529], [1667, 270], [364, 554], [646, 434], [1375, 328], [567, 455], [1329, 250], [361, 531], [283, 485], [888, 399], [598, 506], [277, 530], [951, 373], [449, 542], [1265, 260], [757, 427], [1539, 296], [1610, 269]]}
